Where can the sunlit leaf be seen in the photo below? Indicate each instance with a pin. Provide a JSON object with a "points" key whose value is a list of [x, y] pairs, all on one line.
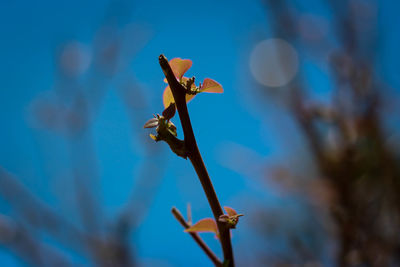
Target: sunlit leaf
{"points": [[230, 211], [189, 97], [180, 66], [168, 98], [204, 225], [211, 86], [152, 136]]}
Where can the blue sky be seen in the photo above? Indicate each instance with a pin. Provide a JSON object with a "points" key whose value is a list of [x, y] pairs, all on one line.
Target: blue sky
{"points": [[218, 37]]}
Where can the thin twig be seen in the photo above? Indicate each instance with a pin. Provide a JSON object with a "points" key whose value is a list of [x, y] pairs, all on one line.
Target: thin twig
{"points": [[196, 238], [179, 93]]}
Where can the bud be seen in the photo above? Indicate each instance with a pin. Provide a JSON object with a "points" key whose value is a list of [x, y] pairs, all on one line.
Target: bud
{"points": [[231, 221], [151, 123]]}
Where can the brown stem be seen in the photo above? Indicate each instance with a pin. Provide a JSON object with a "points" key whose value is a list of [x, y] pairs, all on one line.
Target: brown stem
{"points": [[179, 93], [197, 238]]}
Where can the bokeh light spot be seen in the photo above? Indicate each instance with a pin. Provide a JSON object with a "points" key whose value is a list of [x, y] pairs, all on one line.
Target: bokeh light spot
{"points": [[274, 62]]}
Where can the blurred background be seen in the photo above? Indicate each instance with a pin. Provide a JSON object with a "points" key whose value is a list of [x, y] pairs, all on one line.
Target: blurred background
{"points": [[304, 140]]}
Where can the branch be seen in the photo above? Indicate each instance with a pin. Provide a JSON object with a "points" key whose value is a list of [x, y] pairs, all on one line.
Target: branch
{"points": [[196, 238], [179, 93]]}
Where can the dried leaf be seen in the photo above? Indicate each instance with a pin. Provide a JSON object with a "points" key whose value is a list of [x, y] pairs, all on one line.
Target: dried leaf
{"points": [[204, 225], [211, 86]]}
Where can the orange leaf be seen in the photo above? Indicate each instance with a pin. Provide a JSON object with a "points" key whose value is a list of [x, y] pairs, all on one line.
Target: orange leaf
{"points": [[211, 86], [204, 225], [168, 98], [230, 211], [152, 136], [189, 97], [180, 66]]}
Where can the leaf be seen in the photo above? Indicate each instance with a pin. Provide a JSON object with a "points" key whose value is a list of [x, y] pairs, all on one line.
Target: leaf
{"points": [[230, 211], [211, 86], [180, 66], [169, 112], [189, 97], [168, 98], [231, 219], [204, 225], [152, 136], [151, 123]]}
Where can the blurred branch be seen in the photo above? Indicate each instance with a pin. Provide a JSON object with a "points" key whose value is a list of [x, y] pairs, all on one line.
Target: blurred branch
{"points": [[19, 240], [37, 213], [362, 171], [39, 216]]}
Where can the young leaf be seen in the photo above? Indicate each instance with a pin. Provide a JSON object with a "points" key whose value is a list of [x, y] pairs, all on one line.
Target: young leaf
{"points": [[204, 225], [189, 97], [180, 66], [211, 86], [231, 219], [152, 136], [230, 211], [169, 112], [168, 98]]}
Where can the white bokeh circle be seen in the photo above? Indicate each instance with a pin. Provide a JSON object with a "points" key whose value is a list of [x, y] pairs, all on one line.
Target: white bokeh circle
{"points": [[274, 62]]}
